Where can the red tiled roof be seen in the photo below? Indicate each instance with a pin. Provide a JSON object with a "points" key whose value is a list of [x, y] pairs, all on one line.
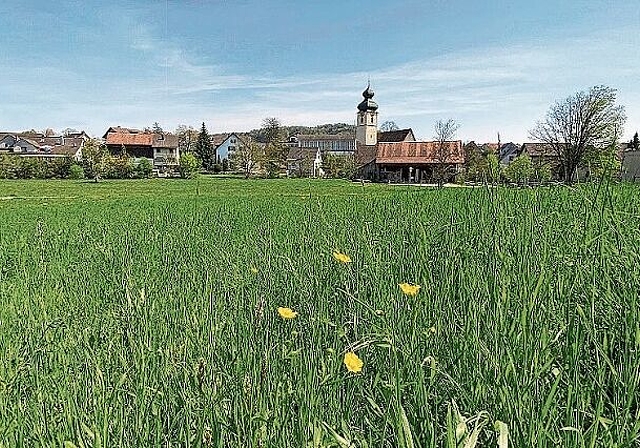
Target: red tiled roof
{"points": [[121, 130], [121, 138], [418, 152]]}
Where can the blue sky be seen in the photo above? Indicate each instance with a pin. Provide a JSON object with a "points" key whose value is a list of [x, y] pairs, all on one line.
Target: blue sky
{"points": [[493, 66]]}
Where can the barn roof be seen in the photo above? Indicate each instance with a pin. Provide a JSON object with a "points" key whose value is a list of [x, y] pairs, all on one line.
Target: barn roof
{"points": [[419, 152]]}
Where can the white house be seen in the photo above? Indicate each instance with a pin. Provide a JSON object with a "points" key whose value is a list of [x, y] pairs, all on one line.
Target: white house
{"points": [[226, 144]]}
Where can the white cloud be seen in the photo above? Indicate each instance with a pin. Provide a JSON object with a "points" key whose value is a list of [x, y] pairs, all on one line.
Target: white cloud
{"points": [[486, 89]]}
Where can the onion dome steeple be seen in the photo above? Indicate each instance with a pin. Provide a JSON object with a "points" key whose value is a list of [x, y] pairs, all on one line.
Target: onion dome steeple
{"points": [[368, 103]]}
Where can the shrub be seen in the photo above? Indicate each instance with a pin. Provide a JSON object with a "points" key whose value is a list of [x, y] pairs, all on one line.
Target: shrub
{"points": [[76, 172], [144, 168], [519, 170], [189, 166]]}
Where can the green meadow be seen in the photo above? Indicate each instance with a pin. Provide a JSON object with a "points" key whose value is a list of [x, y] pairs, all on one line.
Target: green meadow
{"points": [[145, 313]]}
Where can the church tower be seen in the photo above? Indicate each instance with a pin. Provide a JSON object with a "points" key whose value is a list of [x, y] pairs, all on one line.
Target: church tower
{"points": [[367, 119]]}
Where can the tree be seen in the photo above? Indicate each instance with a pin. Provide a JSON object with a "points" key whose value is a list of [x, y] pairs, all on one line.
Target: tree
{"points": [[118, 167], [336, 166], [156, 128], [204, 149], [635, 143], [187, 138], [275, 152], [389, 126], [189, 166], [582, 122], [445, 131], [93, 159], [493, 168], [245, 157], [76, 172], [144, 168], [520, 170]]}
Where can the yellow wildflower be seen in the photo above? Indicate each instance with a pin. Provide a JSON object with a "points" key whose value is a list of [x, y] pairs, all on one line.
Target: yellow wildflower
{"points": [[410, 289], [379, 312], [287, 313], [254, 270], [433, 330], [342, 258], [353, 363]]}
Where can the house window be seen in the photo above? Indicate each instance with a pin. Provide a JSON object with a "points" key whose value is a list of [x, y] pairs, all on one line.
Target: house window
{"points": [[233, 140]]}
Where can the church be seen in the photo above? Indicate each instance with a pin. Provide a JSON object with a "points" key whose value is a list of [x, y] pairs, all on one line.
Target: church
{"points": [[396, 156]]}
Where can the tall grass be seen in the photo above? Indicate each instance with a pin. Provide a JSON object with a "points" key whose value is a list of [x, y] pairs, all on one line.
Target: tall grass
{"points": [[144, 314]]}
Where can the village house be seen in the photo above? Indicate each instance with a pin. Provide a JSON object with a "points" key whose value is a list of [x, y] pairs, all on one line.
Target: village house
{"points": [[508, 152], [42, 146], [397, 157], [505, 153], [630, 163], [225, 145], [339, 145], [160, 148], [304, 162]]}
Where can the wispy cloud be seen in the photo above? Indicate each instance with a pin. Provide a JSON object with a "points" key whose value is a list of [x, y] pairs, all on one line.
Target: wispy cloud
{"points": [[485, 88]]}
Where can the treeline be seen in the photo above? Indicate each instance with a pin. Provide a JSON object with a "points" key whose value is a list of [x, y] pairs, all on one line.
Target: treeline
{"points": [[16, 167], [108, 167], [597, 164], [261, 135]]}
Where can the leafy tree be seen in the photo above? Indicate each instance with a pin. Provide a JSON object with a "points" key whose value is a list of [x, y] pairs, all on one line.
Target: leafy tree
{"points": [[76, 172], [189, 166], [520, 170], [542, 172], [445, 131], [7, 166], [32, 168], [493, 168], [389, 126], [187, 138], [246, 156], [144, 168], [60, 167], [603, 163], [118, 167], [275, 152], [204, 149], [338, 166], [582, 121], [94, 154]]}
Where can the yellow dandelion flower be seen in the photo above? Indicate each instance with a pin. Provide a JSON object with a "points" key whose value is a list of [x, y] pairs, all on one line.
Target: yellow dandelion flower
{"points": [[287, 313], [342, 258], [353, 363], [410, 289], [254, 270], [433, 330]]}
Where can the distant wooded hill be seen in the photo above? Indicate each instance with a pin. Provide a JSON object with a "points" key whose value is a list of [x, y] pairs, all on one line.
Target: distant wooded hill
{"points": [[323, 129]]}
